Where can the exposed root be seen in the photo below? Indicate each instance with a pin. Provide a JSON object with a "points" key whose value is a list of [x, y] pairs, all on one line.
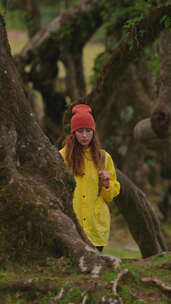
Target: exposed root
{"points": [[166, 265], [119, 276], [116, 300], [111, 260], [96, 271], [25, 285], [59, 295], [160, 254], [163, 286], [84, 300], [82, 264], [95, 263]]}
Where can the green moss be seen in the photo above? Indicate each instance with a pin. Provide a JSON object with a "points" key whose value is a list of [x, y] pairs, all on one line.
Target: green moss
{"points": [[110, 276], [74, 294], [126, 295], [25, 232], [15, 301], [57, 274]]}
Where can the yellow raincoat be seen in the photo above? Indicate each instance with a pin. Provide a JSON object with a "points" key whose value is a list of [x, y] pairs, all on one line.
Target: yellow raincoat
{"points": [[90, 207]]}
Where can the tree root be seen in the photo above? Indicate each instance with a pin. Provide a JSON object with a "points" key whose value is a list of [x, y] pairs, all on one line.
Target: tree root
{"points": [[25, 286], [119, 276], [162, 286]]}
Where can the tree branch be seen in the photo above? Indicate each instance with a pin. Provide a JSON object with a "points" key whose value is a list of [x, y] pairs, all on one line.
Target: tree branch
{"points": [[64, 28], [158, 127], [143, 34]]}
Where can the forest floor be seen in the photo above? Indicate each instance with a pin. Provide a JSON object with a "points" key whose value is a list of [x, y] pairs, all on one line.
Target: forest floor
{"points": [[58, 281]]}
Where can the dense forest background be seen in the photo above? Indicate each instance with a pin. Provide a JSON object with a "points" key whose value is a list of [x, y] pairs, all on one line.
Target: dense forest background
{"points": [[115, 56]]}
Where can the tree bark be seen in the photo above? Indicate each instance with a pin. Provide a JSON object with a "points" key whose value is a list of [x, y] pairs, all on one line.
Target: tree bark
{"points": [[161, 116], [75, 80], [140, 217], [158, 126], [154, 132]]}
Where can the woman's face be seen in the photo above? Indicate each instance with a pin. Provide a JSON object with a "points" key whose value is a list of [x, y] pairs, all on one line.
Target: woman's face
{"points": [[84, 136]]}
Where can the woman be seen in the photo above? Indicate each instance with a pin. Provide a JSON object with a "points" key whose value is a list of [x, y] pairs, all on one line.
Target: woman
{"points": [[94, 173]]}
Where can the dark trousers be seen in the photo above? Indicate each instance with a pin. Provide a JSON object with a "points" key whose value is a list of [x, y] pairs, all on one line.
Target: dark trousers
{"points": [[100, 248]]}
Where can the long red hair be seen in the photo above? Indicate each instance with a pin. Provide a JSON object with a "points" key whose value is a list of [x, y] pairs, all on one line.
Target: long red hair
{"points": [[74, 153]]}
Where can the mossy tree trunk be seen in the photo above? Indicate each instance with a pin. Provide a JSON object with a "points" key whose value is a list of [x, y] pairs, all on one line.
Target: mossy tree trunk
{"points": [[140, 217]]}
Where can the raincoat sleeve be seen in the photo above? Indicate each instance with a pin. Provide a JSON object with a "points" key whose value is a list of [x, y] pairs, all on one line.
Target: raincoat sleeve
{"points": [[114, 187]]}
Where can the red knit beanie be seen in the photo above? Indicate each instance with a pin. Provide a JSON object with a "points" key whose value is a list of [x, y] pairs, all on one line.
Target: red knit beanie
{"points": [[82, 118]]}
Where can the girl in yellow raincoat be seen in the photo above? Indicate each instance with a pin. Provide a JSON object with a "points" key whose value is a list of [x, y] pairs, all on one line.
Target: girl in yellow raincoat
{"points": [[95, 176]]}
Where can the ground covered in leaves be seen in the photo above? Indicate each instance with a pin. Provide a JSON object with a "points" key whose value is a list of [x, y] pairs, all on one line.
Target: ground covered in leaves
{"points": [[58, 281]]}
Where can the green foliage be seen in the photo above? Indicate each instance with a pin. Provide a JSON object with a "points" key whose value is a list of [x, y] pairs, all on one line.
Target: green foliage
{"points": [[48, 296], [141, 7], [72, 296], [154, 63], [2, 10], [17, 301], [99, 36], [126, 296], [65, 34], [131, 23], [167, 22], [99, 62], [15, 19], [110, 276], [129, 14], [48, 13]]}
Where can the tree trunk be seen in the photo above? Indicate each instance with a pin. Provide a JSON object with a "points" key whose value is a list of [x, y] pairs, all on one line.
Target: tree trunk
{"points": [[31, 9], [161, 116], [140, 217], [75, 81], [127, 103], [155, 131]]}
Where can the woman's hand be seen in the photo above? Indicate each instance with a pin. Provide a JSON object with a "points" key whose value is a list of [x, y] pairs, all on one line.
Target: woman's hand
{"points": [[104, 178]]}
